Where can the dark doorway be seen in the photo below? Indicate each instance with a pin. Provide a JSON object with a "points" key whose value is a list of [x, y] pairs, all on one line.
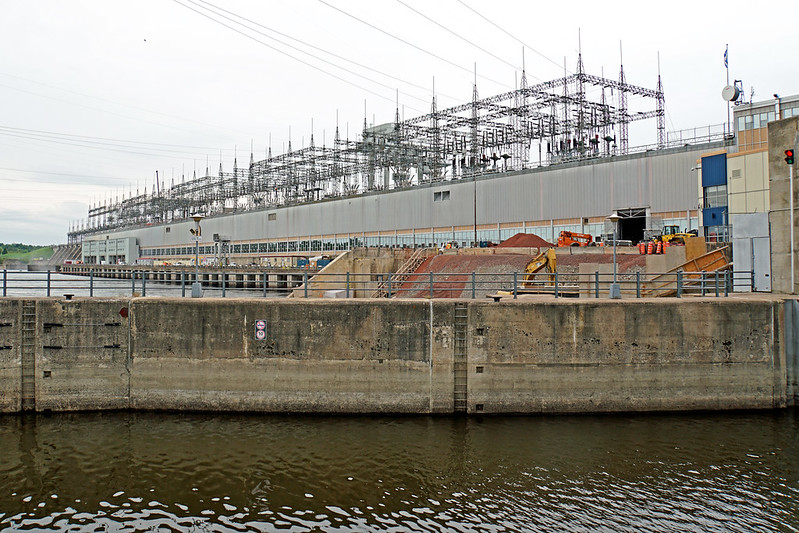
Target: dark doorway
{"points": [[632, 224]]}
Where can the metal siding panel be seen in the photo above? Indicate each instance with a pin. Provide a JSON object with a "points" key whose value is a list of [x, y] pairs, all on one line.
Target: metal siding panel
{"points": [[714, 170], [664, 182]]}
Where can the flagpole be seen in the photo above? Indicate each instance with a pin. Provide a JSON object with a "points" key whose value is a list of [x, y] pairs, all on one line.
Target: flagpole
{"points": [[727, 66]]}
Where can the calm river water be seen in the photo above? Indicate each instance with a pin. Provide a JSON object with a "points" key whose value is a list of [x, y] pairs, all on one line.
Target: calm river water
{"points": [[193, 472]]}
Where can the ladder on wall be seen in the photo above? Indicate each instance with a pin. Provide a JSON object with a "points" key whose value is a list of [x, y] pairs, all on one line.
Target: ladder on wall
{"points": [[28, 355], [460, 364]]}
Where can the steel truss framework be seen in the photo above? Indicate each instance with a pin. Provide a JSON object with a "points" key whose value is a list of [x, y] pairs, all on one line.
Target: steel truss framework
{"points": [[574, 117]]}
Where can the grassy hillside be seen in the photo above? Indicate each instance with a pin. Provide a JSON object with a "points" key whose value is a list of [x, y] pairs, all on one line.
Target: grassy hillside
{"points": [[23, 253]]}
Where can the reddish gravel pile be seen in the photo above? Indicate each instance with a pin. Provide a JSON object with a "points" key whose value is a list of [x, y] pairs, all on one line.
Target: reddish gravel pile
{"points": [[525, 240]]}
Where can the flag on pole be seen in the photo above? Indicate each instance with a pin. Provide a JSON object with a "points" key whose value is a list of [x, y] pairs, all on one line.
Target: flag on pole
{"points": [[726, 51]]}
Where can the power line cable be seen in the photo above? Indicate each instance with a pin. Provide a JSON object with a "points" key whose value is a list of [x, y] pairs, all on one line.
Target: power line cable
{"points": [[320, 49], [289, 55], [510, 34], [97, 109], [400, 39], [459, 36], [110, 102], [9, 130]]}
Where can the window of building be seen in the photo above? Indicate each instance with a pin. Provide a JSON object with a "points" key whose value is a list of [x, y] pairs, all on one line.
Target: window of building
{"points": [[715, 196], [440, 196], [271, 216]]}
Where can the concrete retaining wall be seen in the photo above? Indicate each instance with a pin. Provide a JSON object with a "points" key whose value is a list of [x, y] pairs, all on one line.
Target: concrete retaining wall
{"points": [[381, 356]]}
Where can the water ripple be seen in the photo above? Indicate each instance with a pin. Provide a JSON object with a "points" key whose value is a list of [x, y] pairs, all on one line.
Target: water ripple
{"points": [[178, 472]]}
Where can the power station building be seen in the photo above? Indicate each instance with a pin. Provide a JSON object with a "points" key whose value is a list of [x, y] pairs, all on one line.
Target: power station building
{"points": [[540, 159]]}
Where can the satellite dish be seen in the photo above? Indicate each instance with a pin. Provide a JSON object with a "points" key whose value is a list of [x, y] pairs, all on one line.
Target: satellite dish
{"points": [[730, 93]]}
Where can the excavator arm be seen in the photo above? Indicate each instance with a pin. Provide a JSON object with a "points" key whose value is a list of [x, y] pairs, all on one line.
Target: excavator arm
{"points": [[546, 261]]}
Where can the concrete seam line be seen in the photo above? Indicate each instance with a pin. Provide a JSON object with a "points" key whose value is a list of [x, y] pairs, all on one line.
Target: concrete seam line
{"points": [[130, 351], [430, 363]]}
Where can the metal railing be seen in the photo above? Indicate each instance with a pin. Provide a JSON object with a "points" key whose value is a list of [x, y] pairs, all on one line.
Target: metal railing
{"points": [[363, 285]]}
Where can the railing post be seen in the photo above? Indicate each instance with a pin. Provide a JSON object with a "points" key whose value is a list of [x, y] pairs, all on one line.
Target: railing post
{"points": [[224, 283], [556, 284], [431, 284], [702, 283], [515, 284], [717, 283], [132, 282], [48, 282], [727, 283], [183, 283], [264, 282], [474, 286], [752, 281], [348, 284], [389, 284], [91, 282], [5, 282], [144, 284], [638, 284], [305, 283], [596, 284], [679, 284]]}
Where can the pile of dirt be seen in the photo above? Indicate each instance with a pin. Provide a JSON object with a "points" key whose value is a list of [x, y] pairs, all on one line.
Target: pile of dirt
{"points": [[525, 240]]}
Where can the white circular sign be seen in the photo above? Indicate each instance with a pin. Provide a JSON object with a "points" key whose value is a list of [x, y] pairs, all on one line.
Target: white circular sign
{"points": [[260, 334], [260, 324]]}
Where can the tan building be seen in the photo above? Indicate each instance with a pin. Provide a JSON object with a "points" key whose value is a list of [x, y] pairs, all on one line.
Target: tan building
{"points": [[734, 181]]}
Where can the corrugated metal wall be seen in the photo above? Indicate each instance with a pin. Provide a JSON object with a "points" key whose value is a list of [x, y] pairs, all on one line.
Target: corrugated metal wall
{"points": [[662, 181]]}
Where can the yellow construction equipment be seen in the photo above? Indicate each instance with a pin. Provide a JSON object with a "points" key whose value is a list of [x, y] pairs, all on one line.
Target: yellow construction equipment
{"points": [[546, 261], [673, 235]]}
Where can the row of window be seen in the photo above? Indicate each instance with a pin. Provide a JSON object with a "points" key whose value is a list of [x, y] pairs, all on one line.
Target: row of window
{"points": [[761, 120], [756, 121]]}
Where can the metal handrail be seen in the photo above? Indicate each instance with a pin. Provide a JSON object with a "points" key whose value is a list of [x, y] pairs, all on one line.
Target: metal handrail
{"points": [[363, 285]]}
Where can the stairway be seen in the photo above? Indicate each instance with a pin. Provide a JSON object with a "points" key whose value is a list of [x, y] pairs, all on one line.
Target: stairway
{"points": [[403, 273]]}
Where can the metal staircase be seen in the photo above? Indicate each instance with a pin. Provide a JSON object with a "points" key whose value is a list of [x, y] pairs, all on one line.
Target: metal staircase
{"points": [[401, 275]]}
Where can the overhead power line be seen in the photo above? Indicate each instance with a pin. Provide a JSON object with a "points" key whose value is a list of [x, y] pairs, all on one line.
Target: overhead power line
{"points": [[464, 4], [314, 47], [400, 39], [110, 102], [306, 63], [459, 36]]}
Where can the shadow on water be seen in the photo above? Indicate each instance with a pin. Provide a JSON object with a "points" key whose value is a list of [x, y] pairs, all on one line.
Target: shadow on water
{"points": [[187, 472]]}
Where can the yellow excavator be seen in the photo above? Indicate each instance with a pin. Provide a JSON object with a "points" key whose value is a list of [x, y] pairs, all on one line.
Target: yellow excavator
{"points": [[546, 261]]}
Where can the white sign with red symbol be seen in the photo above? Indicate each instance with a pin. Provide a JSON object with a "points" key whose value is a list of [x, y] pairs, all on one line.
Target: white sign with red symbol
{"points": [[260, 330]]}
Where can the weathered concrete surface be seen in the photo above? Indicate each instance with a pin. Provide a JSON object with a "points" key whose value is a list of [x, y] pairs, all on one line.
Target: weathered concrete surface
{"points": [[82, 355], [345, 358], [10, 359], [537, 355], [612, 356]]}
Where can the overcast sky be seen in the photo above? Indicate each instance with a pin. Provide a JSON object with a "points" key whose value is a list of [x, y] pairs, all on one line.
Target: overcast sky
{"points": [[95, 96]]}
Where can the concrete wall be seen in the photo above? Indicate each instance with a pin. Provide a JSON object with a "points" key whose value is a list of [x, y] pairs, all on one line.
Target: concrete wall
{"points": [[783, 134], [389, 356]]}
